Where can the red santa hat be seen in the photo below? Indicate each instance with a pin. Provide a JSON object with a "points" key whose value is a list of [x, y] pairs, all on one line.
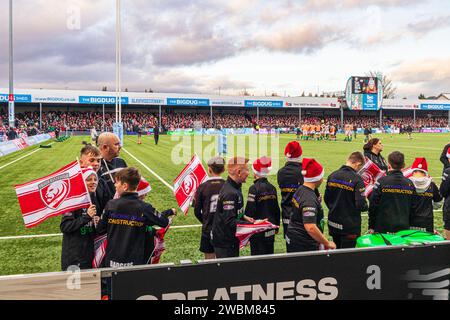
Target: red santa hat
{"points": [[312, 171], [87, 172], [143, 187], [420, 164], [293, 151], [262, 166]]}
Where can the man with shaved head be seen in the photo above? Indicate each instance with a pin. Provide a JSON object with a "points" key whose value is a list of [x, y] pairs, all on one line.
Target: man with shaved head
{"points": [[109, 145], [230, 209]]}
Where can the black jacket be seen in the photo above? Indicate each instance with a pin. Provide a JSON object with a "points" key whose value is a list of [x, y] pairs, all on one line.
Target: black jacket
{"points": [[230, 207], [78, 238], [444, 158], [345, 199], [377, 159], [205, 203], [307, 209], [109, 166], [289, 179], [125, 221], [103, 195], [445, 192], [422, 217], [391, 203], [262, 203]]}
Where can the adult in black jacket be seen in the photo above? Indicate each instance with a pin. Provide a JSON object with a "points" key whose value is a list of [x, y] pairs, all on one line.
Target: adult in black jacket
{"points": [[372, 150], [78, 230], [391, 199], [426, 197], [305, 229], [205, 203], [289, 180], [345, 199], [445, 192], [262, 203], [125, 221], [230, 210], [445, 156], [109, 145]]}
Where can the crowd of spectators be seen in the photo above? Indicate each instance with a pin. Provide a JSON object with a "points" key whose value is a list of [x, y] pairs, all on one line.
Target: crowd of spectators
{"points": [[82, 121]]}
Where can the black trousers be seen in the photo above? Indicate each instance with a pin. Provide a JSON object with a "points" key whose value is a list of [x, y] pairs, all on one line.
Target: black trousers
{"points": [[262, 245], [156, 139], [230, 252], [345, 241]]}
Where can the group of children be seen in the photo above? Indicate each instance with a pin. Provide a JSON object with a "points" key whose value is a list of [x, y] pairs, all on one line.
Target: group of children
{"points": [[397, 202], [124, 217]]}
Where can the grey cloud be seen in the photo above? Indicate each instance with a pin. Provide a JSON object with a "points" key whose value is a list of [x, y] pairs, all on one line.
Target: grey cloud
{"points": [[430, 76], [191, 51], [331, 5], [305, 38], [423, 27]]}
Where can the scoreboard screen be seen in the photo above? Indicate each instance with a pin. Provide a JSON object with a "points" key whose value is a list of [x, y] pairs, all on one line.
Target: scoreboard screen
{"points": [[364, 85]]}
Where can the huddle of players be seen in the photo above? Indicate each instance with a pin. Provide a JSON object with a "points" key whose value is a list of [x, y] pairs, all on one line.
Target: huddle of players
{"points": [[396, 203], [318, 132], [118, 209]]}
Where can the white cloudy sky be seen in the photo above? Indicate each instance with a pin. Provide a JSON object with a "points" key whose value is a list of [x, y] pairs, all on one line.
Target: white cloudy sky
{"points": [[267, 46]]}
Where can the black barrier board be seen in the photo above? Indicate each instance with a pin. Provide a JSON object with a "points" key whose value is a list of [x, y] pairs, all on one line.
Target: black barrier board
{"points": [[421, 272]]}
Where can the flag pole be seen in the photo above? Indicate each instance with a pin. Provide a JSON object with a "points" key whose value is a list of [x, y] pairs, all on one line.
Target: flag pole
{"points": [[11, 117], [109, 171], [85, 185]]}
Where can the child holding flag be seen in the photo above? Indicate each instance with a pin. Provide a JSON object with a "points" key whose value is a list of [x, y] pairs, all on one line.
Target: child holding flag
{"points": [[125, 221], [78, 229]]}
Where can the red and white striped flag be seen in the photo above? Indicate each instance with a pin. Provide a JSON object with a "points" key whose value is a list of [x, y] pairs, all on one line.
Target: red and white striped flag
{"points": [[160, 246], [245, 231], [100, 244], [370, 174], [53, 195], [187, 182]]}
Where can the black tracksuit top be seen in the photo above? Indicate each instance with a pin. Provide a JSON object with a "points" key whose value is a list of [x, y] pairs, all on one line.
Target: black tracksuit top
{"points": [[78, 238], [289, 180], [229, 208], [391, 203], [422, 217], [344, 197], [262, 203], [205, 203], [125, 221], [307, 210], [445, 192], [444, 158]]}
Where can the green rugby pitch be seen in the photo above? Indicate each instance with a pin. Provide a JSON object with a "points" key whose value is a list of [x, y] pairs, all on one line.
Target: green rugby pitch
{"points": [[42, 254]]}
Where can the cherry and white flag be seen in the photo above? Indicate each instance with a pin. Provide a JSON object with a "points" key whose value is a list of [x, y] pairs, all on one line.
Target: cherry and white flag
{"points": [[159, 243], [187, 182], [53, 195], [245, 231], [100, 244], [370, 174]]}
